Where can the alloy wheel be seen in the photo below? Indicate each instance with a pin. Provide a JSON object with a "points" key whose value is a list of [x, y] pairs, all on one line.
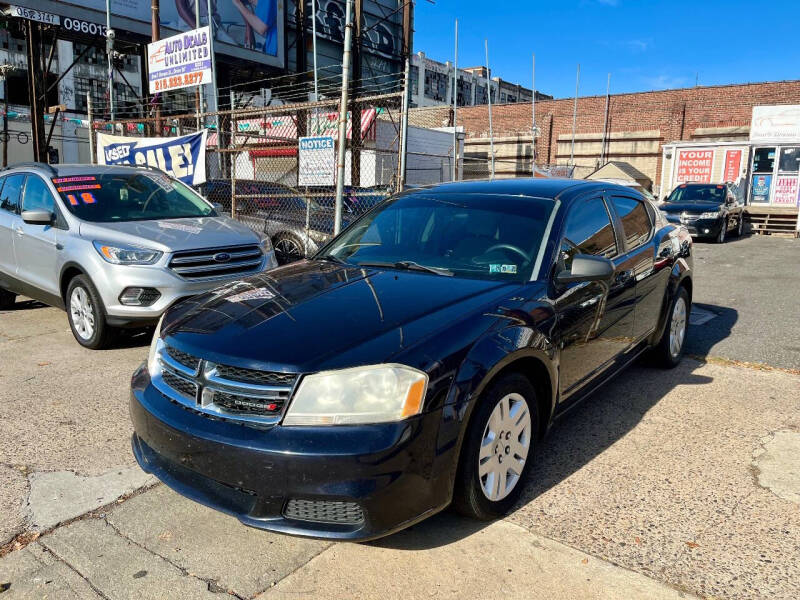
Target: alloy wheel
{"points": [[82, 312], [505, 447], [288, 250], [677, 327]]}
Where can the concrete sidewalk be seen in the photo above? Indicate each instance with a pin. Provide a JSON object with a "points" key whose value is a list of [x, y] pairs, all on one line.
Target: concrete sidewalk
{"points": [[159, 545]]}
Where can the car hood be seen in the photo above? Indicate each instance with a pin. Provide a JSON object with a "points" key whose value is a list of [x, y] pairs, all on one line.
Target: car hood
{"points": [[690, 207], [314, 315], [173, 234]]}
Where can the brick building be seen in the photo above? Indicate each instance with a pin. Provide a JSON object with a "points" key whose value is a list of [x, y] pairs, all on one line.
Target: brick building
{"points": [[637, 127]]}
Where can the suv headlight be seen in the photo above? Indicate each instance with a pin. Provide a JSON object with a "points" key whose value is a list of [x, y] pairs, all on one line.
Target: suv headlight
{"points": [[373, 394], [127, 255], [152, 358], [265, 243], [713, 214]]}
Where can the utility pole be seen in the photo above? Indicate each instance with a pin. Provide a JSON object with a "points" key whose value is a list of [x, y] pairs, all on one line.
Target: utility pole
{"points": [[35, 89], [455, 109], [574, 118], [605, 122], [110, 56], [489, 95], [90, 117], [155, 36], [214, 90], [401, 180], [533, 118], [4, 71], [355, 110], [342, 155], [199, 90], [314, 47]]}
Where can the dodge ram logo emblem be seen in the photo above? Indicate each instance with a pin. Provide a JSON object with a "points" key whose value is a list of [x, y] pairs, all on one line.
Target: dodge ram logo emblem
{"points": [[222, 257]]}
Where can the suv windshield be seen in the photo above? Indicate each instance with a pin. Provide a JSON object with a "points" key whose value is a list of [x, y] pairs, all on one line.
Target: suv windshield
{"points": [[482, 237], [698, 193], [119, 197]]}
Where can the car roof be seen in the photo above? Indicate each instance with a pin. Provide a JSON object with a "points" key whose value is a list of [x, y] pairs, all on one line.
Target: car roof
{"points": [[562, 189], [76, 169]]}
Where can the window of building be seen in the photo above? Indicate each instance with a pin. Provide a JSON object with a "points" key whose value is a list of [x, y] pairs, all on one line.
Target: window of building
{"points": [[436, 85], [413, 79], [635, 220], [480, 94], [790, 160], [464, 92], [763, 160]]}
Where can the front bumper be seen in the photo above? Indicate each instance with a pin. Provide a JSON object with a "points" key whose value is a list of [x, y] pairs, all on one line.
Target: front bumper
{"points": [[700, 227], [389, 470]]}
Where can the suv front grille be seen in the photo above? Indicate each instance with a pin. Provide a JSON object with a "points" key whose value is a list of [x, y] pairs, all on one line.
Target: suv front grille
{"points": [[225, 391], [324, 511], [217, 262]]}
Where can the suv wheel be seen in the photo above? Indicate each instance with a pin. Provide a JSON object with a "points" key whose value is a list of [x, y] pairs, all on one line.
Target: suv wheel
{"points": [[86, 315], [498, 449], [669, 351], [7, 300], [722, 231], [740, 226], [288, 248]]}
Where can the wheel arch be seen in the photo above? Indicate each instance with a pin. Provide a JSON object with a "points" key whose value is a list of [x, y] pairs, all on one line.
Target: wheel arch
{"points": [[69, 271]]}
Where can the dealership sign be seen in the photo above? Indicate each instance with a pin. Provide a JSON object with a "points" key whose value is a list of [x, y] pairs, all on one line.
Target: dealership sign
{"points": [[775, 123], [785, 190], [317, 161], [181, 157], [180, 61], [695, 166], [733, 163]]}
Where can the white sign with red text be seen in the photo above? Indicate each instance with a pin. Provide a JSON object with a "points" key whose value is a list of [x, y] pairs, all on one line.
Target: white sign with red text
{"points": [[695, 166]]}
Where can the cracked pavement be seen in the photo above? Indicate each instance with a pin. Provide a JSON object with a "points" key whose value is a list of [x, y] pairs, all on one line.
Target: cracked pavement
{"points": [[665, 484]]}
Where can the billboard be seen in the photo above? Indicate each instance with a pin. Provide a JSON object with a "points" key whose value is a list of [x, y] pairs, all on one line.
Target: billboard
{"points": [[695, 166], [249, 29], [775, 123], [180, 61]]}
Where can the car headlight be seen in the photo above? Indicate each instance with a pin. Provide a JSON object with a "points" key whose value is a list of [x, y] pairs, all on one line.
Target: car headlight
{"points": [[373, 394], [265, 243], [709, 215], [127, 255], [152, 358], [319, 236]]}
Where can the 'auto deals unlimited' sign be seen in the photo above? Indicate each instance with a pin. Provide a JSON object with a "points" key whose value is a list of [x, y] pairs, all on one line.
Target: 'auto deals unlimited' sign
{"points": [[181, 157]]}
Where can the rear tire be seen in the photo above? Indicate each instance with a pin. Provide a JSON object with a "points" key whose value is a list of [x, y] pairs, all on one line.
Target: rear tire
{"points": [[669, 351], [7, 300], [498, 449], [86, 315]]}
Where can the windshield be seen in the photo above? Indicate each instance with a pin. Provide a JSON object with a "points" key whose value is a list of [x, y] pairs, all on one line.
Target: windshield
{"points": [[482, 237], [698, 193], [120, 197]]}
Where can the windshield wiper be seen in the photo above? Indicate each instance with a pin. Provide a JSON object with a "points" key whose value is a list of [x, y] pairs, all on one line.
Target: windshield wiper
{"points": [[408, 265]]}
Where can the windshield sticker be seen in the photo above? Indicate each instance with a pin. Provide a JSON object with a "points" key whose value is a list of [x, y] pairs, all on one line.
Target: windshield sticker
{"points": [[77, 188], [72, 199], [181, 227], [58, 180], [495, 268], [88, 198], [256, 294], [160, 180]]}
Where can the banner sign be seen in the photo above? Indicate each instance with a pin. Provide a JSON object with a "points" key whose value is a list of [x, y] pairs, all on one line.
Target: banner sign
{"points": [[695, 166], [760, 189], [181, 157], [733, 163], [32, 15], [180, 61], [785, 190], [317, 161], [775, 123]]}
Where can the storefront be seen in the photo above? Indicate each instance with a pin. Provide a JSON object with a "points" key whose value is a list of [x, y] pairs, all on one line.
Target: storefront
{"points": [[705, 162]]}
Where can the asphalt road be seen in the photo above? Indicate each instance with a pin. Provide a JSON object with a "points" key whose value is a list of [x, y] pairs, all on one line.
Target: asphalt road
{"points": [[665, 484]]}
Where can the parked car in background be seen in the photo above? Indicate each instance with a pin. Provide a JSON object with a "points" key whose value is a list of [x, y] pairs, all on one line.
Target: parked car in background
{"points": [[415, 361], [115, 246], [706, 209]]}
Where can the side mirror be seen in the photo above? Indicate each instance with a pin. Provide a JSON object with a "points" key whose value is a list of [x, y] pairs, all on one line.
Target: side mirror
{"points": [[586, 267], [37, 217]]}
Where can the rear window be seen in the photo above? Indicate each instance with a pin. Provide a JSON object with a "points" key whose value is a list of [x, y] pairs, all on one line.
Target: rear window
{"points": [[137, 196]]}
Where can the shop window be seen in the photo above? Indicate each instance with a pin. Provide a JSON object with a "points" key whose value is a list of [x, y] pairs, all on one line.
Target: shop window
{"points": [[763, 160], [790, 160], [436, 85]]}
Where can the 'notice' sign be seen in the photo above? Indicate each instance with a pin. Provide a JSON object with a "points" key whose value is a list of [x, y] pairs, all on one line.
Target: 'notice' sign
{"points": [[695, 166]]}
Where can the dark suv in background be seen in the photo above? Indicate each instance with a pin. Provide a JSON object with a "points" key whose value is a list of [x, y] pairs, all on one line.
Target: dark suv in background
{"points": [[706, 209]]}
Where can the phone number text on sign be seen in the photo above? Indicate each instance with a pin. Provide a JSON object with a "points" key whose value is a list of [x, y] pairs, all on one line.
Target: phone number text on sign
{"points": [[178, 81]]}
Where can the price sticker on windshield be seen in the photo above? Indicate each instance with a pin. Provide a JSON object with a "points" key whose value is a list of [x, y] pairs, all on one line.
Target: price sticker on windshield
{"points": [[495, 268]]}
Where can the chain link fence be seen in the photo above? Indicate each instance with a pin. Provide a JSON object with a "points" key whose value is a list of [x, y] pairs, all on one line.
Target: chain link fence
{"points": [[275, 167]]}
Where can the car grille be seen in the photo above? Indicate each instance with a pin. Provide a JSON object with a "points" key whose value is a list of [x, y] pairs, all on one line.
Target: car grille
{"points": [[324, 511], [225, 391], [217, 262]]}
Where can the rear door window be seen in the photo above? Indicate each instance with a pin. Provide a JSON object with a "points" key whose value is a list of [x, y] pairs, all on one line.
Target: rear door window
{"points": [[635, 219], [9, 196]]}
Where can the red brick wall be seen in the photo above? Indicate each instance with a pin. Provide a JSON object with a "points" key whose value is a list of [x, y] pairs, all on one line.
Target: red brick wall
{"points": [[676, 113]]}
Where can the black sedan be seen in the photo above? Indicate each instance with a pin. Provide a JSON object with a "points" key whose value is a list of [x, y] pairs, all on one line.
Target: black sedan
{"points": [[706, 209], [415, 361]]}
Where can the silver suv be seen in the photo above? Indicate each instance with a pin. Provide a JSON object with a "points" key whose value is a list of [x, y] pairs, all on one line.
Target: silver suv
{"points": [[115, 246]]}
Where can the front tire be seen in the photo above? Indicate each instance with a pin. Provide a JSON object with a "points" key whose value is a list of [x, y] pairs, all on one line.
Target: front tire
{"points": [[7, 299], [498, 449], [739, 227], [669, 351], [722, 231], [288, 248], [86, 315]]}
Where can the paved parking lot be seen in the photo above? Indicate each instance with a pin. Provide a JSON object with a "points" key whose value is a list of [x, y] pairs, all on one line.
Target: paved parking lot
{"points": [[666, 484]]}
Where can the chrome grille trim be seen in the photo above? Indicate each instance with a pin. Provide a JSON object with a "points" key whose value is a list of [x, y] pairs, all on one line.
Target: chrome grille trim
{"points": [[239, 401], [200, 264]]}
